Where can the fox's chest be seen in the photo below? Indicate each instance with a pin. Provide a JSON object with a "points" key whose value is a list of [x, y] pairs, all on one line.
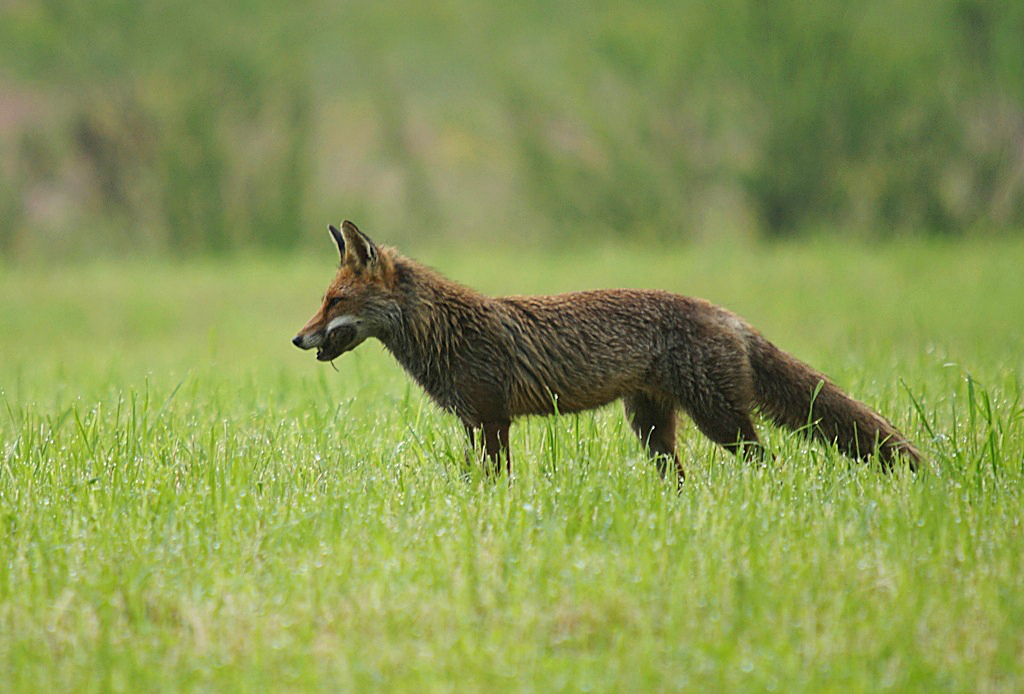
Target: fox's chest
{"points": [[469, 384]]}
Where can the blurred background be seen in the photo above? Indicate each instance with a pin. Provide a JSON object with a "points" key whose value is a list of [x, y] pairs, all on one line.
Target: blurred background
{"points": [[198, 127]]}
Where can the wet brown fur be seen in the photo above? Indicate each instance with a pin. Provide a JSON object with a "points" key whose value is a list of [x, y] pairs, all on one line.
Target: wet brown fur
{"points": [[491, 359]]}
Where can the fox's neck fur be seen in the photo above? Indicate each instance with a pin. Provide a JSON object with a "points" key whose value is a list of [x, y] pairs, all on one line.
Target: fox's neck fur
{"points": [[427, 338]]}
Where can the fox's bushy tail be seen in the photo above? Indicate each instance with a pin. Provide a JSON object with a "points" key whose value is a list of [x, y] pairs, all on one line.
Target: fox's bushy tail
{"points": [[794, 395]]}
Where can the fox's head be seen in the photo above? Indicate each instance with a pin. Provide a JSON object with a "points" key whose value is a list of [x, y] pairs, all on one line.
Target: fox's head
{"points": [[359, 303]]}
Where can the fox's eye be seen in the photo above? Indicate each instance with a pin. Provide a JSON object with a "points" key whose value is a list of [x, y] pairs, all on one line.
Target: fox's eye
{"points": [[333, 301]]}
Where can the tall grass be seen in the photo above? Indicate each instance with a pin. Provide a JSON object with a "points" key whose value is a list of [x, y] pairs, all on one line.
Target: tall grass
{"points": [[186, 501]]}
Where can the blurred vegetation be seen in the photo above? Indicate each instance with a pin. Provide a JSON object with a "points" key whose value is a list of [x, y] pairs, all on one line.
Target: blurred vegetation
{"points": [[201, 127]]}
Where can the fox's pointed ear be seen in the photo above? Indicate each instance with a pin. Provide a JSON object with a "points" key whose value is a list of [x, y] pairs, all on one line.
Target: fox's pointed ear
{"points": [[359, 249], [338, 239]]}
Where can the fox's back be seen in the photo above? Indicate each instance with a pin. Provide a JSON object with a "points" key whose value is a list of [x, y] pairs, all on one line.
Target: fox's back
{"points": [[585, 349]]}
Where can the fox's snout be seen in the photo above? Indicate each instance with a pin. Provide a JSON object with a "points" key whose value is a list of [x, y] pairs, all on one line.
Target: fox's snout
{"points": [[338, 336], [308, 339]]}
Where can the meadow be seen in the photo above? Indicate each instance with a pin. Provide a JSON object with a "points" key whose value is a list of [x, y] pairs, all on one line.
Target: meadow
{"points": [[189, 502]]}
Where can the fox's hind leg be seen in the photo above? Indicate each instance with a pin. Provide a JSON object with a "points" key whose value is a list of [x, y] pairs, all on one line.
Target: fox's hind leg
{"points": [[719, 397], [727, 423], [654, 422], [731, 430]]}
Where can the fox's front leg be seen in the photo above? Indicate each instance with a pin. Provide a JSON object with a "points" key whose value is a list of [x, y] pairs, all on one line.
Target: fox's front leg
{"points": [[494, 444], [472, 452]]}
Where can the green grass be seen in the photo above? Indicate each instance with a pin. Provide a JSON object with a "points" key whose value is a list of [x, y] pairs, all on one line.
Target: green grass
{"points": [[186, 501]]}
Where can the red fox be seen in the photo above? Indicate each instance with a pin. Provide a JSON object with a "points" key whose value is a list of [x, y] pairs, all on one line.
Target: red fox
{"points": [[489, 360]]}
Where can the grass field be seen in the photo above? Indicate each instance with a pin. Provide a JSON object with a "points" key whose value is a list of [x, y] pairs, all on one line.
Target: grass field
{"points": [[187, 501]]}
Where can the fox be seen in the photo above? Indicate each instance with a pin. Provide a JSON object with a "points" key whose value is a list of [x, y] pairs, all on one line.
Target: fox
{"points": [[489, 360]]}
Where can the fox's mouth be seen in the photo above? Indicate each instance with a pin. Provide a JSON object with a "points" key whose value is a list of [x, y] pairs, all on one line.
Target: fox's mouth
{"points": [[336, 343]]}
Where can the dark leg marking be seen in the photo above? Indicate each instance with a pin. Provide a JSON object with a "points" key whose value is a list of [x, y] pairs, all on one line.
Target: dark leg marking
{"points": [[654, 423], [496, 445]]}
